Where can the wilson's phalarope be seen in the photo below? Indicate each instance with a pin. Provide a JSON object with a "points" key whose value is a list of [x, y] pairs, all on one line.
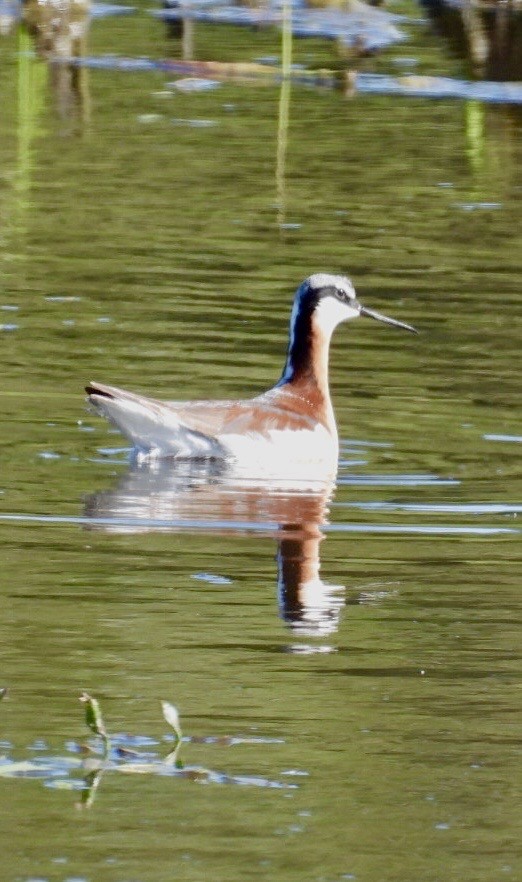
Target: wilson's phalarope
{"points": [[291, 424]]}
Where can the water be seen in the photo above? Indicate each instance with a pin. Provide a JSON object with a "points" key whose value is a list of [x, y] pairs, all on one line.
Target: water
{"points": [[346, 662]]}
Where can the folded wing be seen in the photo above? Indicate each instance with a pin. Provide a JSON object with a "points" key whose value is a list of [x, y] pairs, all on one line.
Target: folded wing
{"points": [[151, 425]]}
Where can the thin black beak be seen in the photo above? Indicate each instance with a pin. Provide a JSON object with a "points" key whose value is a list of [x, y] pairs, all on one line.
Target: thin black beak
{"points": [[384, 318]]}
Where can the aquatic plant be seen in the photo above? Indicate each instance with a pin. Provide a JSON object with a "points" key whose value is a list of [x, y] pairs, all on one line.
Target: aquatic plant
{"points": [[171, 716], [94, 720]]}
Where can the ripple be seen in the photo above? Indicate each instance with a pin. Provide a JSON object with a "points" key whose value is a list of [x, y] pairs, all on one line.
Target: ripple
{"points": [[473, 508], [396, 481], [140, 524], [421, 529], [212, 578], [512, 439]]}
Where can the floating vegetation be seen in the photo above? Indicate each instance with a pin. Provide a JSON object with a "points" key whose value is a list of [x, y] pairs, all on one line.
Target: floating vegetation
{"points": [[84, 769]]}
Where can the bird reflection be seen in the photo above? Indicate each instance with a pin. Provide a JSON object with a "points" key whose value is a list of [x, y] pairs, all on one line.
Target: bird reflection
{"points": [[205, 496]]}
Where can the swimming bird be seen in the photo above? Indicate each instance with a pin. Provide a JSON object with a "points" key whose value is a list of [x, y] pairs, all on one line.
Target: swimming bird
{"points": [[290, 426]]}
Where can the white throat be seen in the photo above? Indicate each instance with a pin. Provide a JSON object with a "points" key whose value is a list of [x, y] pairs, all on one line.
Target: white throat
{"points": [[330, 312]]}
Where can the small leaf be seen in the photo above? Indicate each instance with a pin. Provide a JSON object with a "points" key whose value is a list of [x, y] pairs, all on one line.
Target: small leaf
{"points": [[172, 717], [93, 717]]}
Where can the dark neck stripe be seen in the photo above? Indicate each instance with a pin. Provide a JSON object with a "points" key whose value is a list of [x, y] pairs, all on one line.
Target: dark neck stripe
{"points": [[299, 362]]}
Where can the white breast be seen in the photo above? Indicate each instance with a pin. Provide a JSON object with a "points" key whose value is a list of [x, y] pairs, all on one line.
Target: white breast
{"points": [[309, 454]]}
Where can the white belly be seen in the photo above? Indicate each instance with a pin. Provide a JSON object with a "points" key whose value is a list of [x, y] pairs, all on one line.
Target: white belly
{"points": [[305, 454]]}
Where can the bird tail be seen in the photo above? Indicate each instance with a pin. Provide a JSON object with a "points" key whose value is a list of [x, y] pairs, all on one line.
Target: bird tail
{"points": [[151, 426]]}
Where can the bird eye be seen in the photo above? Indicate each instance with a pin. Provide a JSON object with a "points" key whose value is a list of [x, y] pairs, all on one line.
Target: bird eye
{"points": [[334, 291]]}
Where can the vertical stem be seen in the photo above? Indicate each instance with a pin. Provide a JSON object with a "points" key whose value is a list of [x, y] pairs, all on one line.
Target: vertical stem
{"points": [[187, 40], [32, 78], [286, 39], [475, 121], [284, 107]]}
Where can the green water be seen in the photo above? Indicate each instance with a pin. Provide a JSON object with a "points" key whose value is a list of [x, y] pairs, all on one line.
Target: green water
{"points": [[376, 717]]}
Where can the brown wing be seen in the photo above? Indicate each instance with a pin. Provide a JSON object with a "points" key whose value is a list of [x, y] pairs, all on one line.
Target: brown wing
{"points": [[280, 408], [276, 409]]}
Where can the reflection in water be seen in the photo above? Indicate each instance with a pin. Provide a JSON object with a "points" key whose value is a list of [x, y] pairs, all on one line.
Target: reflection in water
{"points": [[284, 111], [180, 26], [168, 496], [9, 13], [59, 29], [307, 604], [489, 34], [493, 147]]}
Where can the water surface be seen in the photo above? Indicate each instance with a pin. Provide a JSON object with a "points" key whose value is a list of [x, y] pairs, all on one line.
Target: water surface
{"points": [[346, 663]]}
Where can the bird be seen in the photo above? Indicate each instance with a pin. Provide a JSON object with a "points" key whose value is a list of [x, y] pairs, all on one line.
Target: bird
{"points": [[292, 425]]}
